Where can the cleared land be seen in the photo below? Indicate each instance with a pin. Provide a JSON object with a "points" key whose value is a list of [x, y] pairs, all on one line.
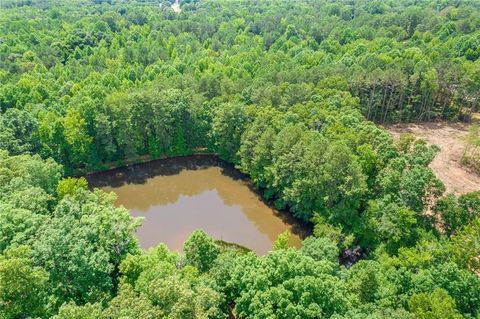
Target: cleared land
{"points": [[447, 164]]}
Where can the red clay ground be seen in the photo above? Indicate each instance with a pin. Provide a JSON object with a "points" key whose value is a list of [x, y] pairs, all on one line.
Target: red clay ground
{"points": [[447, 166]]}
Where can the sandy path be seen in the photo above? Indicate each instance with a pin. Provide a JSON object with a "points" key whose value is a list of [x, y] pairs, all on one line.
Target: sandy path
{"points": [[176, 6], [447, 164]]}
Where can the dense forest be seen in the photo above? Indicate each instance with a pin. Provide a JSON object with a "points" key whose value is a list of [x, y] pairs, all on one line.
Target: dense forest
{"points": [[292, 93]]}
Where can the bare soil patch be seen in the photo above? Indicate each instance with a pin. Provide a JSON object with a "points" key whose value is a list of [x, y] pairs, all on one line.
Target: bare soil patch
{"points": [[176, 6], [446, 165]]}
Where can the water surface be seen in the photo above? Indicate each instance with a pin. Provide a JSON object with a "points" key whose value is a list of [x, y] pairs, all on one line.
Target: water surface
{"points": [[178, 195]]}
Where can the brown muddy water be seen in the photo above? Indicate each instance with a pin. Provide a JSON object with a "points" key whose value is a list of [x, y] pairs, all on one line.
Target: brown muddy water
{"points": [[181, 194]]}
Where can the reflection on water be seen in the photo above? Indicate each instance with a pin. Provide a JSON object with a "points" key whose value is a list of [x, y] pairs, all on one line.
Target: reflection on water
{"points": [[179, 195]]}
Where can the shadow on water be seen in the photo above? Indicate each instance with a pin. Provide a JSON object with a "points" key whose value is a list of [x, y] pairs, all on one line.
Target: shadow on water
{"points": [[169, 192], [140, 173]]}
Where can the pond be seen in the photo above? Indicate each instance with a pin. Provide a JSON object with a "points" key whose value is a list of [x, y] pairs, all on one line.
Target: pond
{"points": [[178, 195]]}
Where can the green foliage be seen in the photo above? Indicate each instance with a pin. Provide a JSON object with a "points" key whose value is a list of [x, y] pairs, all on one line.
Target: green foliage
{"points": [[23, 286], [438, 304], [82, 260], [24, 171], [363, 279], [320, 249], [72, 311], [94, 83], [227, 129], [200, 250], [282, 241], [18, 226], [460, 284], [454, 213], [127, 304], [470, 155], [285, 91], [287, 284], [70, 185], [466, 246], [133, 265], [164, 287], [81, 250], [395, 225]]}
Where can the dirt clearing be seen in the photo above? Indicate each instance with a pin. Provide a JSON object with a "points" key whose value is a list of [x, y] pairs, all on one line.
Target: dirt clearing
{"points": [[446, 165]]}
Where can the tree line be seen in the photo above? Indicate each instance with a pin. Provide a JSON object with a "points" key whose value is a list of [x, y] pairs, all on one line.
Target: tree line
{"points": [[289, 93], [67, 252], [64, 72]]}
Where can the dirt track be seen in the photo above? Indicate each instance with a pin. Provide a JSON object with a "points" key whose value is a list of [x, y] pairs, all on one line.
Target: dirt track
{"points": [[447, 164]]}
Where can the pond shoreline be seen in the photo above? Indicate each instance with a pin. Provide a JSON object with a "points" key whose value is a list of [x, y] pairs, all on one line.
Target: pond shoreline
{"points": [[170, 166], [137, 160]]}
